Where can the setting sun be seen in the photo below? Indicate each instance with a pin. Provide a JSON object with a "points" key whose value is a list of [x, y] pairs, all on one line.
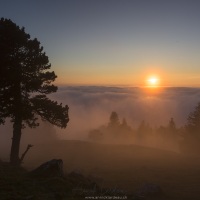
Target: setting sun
{"points": [[153, 81]]}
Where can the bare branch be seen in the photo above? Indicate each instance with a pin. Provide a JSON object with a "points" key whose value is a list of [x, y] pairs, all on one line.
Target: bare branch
{"points": [[25, 152]]}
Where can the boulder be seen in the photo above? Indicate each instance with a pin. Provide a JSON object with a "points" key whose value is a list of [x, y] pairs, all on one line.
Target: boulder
{"points": [[52, 168]]}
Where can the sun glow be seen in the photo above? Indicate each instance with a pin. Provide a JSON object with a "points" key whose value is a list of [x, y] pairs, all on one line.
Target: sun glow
{"points": [[153, 81]]}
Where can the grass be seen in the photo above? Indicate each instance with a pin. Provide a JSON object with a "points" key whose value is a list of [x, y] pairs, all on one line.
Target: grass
{"points": [[123, 166], [15, 184]]}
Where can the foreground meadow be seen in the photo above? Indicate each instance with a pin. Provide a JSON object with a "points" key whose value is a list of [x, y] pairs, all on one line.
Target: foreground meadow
{"points": [[125, 166]]}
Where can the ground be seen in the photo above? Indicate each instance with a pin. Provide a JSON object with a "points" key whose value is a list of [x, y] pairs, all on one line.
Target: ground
{"points": [[127, 167]]}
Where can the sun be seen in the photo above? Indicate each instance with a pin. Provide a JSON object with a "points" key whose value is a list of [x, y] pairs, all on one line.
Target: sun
{"points": [[153, 81]]}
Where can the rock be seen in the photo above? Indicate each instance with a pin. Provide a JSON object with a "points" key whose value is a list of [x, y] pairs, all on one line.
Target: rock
{"points": [[52, 168]]}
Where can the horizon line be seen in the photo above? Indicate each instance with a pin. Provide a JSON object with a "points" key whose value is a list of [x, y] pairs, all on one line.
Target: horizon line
{"points": [[128, 86]]}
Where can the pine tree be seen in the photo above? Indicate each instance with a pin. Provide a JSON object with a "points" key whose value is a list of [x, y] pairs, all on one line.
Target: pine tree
{"points": [[172, 125], [24, 84], [114, 120], [193, 122], [191, 133]]}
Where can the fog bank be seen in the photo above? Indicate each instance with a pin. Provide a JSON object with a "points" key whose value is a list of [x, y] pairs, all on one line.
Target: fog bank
{"points": [[90, 107]]}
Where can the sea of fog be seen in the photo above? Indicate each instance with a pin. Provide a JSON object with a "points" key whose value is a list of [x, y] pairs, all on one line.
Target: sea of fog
{"points": [[90, 107]]}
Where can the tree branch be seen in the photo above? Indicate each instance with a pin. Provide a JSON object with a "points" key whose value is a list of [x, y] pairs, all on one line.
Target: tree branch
{"points": [[25, 152]]}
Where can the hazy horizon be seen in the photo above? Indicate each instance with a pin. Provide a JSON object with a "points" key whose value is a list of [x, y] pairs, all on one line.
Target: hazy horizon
{"points": [[90, 107]]}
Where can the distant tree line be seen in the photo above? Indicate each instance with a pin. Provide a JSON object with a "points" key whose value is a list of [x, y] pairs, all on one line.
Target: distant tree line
{"points": [[114, 131], [185, 138]]}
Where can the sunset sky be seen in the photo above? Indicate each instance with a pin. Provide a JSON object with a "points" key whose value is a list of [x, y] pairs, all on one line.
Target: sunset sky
{"points": [[115, 42]]}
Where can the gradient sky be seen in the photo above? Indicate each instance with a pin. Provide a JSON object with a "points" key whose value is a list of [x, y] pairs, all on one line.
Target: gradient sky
{"points": [[115, 42]]}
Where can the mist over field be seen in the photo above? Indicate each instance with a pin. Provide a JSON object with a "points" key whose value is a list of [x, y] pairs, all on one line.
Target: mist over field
{"points": [[125, 165], [90, 107]]}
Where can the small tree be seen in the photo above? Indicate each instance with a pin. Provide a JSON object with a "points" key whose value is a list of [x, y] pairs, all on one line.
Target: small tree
{"points": [[191, 134], [172, 125], [114, 120], [24, 83], [144, 128], [144, 131], [124, 126], [171, 131], [193, 121], [124, 123]]}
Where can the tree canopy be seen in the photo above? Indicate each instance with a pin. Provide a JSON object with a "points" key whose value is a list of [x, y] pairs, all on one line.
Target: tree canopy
{"points": [[193, 121], [25, 83]]}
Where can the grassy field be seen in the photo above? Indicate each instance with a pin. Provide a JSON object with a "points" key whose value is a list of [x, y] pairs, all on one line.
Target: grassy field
{"points": [[125, 166]]}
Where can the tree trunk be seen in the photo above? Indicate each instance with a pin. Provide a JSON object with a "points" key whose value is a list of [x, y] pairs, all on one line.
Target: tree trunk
{"points": [[14, 155], [17, 125]]}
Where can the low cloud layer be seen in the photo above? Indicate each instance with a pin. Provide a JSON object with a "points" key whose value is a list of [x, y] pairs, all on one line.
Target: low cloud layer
{"points": [[90, 107]]}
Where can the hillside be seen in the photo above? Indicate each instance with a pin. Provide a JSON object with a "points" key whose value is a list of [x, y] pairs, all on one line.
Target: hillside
{"points": [[125, 166]]}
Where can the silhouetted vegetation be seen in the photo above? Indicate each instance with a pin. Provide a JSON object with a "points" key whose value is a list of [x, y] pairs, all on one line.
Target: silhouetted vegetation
{"points": [[191, 133], [185, 138], [24, 83], [143, 132], [115, 131]]}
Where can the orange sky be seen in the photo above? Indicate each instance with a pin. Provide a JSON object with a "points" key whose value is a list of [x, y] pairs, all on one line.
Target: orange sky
{"points": [[121, 43]]}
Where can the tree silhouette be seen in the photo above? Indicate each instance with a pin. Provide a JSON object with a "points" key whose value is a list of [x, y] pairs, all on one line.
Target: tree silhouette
{"points": [[191, 132], [124, 123], [193, 121], [114, 120], [172, 125], [24, 83], [124, 127], [144, 128]]}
